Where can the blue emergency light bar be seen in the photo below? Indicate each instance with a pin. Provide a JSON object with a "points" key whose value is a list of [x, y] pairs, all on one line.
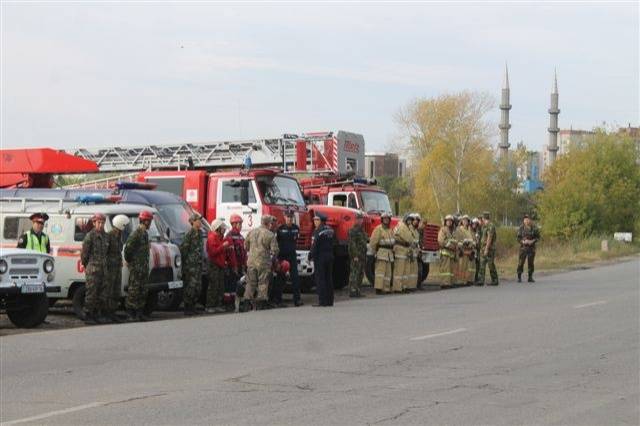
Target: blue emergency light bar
{"points": [[96, 199]]}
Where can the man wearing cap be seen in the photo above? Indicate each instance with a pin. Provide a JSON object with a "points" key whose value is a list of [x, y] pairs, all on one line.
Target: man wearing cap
{"points": [[488, 250], [381, 244], [358, 240], [191, 254], [114, 266], [262, 248], [35, 239], [322, 255], [217, 253], [448, 251], [95, 249], [528, 235], [287, 236], [136, 254]]}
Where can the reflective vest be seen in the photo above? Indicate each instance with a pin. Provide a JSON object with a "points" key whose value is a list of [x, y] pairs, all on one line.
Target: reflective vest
{"points": [[34, 244]]}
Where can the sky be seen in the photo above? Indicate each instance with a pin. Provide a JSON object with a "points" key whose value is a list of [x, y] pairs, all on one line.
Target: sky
{"points": [[114, 74]]}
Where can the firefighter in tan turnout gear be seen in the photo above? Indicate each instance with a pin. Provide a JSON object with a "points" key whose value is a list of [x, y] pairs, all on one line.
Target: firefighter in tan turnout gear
{"points": [[402, 252], [381, 243], [448, 248], [466, 269]]}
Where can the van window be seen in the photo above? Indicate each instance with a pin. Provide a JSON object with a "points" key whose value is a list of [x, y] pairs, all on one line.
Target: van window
{"points": [[231, 194], [82, 227], [352, 201], [15, 226]]}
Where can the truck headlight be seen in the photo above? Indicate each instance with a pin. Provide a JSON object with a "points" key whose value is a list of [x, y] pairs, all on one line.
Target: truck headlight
{"points": [[178, 261], [3, 266], [48, 266]]}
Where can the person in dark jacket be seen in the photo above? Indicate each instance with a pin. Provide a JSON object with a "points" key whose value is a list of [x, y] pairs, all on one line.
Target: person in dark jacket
{"points": [[287, 235], [321, 254], [528, 236]]}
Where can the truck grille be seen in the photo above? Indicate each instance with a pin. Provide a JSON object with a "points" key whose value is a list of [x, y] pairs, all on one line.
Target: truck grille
{"points": [[24, 261], [24, 273], [160, 275]]}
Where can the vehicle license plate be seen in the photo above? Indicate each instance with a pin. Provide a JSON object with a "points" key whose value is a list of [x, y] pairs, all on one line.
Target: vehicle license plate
{"points": [[32, 288], [175, 284]]}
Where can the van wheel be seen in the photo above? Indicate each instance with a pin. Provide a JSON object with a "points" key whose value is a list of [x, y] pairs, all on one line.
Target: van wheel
{"points": [[152, 304], [31, 312], [340, 272], [169, 300], [78, 301]]}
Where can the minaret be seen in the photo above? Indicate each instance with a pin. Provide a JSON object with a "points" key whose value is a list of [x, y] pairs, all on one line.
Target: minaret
{"points": [[504, 125], [553, 121]]}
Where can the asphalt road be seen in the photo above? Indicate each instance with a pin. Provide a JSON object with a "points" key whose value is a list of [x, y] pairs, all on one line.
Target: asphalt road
{"points": [[562, 351]]}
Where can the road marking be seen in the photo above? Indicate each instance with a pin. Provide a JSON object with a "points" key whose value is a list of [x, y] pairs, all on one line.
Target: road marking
{"points": [[444, 333], [53, 413], [586, 305]]}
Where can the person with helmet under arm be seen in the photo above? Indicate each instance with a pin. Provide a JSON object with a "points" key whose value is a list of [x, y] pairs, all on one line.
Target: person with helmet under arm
{"points": [[136, 254], [236, 256], [114, 266], [287, 235], [281, 270], [95, 248]]}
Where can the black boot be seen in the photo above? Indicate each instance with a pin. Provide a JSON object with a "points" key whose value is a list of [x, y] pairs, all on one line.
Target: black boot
{"points": [[141, 316], [531, 280], [519, 277], [132, 315], [90, 318]]}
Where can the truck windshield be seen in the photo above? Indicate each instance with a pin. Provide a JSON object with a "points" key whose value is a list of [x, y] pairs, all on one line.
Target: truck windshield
{"points": [[375, 202], [281, 190], [176, 215]]}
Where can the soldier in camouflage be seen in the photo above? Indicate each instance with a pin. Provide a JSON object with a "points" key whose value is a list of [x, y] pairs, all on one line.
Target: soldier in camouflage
{"points": [[488, 250], [136, 254], [528, 236], [191, 254], [114, 265], [262, 248], [95, 247], [358, 240]]}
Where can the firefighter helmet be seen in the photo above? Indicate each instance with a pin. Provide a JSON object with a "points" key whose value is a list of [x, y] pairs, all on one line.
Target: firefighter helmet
{"points": [[120, 222], [145, 215], [235, 218], [285, 266]]}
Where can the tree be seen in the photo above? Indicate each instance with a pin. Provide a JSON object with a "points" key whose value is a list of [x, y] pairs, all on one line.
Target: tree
{"points": [[453, 161], [593, 189]]}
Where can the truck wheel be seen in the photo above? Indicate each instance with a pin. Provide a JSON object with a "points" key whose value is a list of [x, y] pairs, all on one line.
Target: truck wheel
{"points": [[423, 272], [151, 305], [370, 269], [169, 300], [78, 301], [31, 312], [340, 272]]}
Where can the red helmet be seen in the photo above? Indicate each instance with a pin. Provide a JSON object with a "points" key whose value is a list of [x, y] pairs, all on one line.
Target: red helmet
{"points": [[98, 216], [235, 218], [285, 266], [145, 215]]}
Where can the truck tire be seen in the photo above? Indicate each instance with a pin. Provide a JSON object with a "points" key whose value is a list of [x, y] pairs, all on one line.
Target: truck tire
{"points": [[370, 269], [169, 300], [152, 304], [31, 312], [78, 301], [340, 272], [423, 272]]}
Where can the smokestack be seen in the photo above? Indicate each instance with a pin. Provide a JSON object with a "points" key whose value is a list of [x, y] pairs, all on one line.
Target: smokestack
{"points": [[553, 121], [504, 125]]}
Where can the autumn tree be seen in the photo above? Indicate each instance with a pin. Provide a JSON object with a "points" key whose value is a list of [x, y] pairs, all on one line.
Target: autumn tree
{"points": [[453, 164], [593, 189]]}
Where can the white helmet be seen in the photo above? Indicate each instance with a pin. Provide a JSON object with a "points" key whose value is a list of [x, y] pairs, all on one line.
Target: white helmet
{"points": [[120, 222], [217, 224]]}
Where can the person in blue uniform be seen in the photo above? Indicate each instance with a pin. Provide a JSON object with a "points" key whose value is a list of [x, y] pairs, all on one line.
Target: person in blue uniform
{"points": [[287, 235], [322, 256]]}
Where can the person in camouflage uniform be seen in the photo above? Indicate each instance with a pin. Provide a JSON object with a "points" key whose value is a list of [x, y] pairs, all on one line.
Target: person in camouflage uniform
{"points": [[114, 263], [476, 229], [191, 254], [381, 244], [528, 235], [95, 247], [488, 250], [136, 254], [358, 240], [448, 252], [262, 248]]}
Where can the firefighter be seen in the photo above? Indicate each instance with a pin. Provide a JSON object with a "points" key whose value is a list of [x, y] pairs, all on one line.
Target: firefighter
{"points": [[136, 254], [236, 256], [321, 254], [466, 244], [95, 249], [381, 244], [114, 266], [217, 254], [402, 254], [191, 254], [262, 249], [528, 236], [448, 248], [419, 225], [414, 252], [357, 247], [287, 235], [35, 239]]}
